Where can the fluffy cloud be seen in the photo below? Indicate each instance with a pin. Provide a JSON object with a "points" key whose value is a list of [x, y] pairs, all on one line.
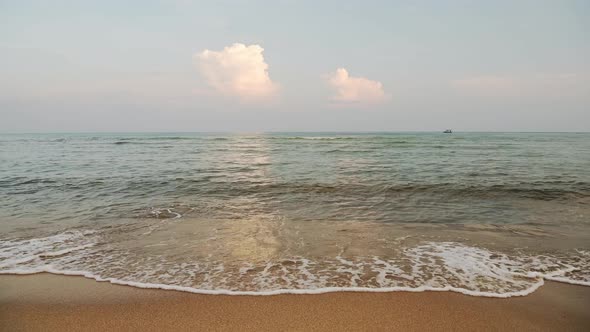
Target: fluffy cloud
{"points": [[238, 70], [356, 89]]}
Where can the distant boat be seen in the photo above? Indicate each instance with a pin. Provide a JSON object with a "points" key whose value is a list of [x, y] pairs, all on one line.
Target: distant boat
{"points": [[448, 131]]}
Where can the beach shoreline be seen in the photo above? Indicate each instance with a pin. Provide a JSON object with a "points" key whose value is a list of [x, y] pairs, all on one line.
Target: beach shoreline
{"points": [[51, 302]]}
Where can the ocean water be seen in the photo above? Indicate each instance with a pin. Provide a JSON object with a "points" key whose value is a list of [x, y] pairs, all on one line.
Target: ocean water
{"points": [[488, 214]]}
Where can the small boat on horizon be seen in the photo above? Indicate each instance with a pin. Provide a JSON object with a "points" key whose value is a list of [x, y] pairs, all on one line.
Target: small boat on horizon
{"points": [[448, 131]]}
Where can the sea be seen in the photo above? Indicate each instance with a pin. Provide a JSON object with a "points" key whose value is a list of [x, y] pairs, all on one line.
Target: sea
{"points": [[483, 214]]}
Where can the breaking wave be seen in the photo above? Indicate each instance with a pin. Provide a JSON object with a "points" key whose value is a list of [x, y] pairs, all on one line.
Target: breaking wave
{"points": [[428, 266]]}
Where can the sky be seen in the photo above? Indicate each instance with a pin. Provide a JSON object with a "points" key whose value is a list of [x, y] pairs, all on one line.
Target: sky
{"points": [[251, 66]]}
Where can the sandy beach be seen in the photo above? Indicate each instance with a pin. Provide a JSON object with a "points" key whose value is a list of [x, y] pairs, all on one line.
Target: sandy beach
{"points": [[50, 302]]}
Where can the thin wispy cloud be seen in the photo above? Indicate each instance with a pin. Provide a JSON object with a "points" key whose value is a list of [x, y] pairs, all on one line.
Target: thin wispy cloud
{"points": [[238, 70], [349, 89]]}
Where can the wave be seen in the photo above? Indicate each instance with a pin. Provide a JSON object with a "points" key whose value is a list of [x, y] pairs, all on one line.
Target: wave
{"points": [[427, 266], [536, 190], [313, 138], [207, 184], [124, 142], [324, 290], [373, 141]]}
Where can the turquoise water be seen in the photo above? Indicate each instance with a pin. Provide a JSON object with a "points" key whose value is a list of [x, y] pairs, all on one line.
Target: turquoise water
{"points": [[492, 213]]}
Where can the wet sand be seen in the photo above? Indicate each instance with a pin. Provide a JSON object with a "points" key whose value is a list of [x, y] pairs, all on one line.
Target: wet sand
{"points": [[60, 303]]}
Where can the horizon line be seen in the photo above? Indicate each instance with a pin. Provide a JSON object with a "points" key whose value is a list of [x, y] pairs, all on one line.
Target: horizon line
{"points": [[289, 131]]}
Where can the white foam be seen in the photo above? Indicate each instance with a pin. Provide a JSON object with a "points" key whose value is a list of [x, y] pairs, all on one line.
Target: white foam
{"points": [[430, 266], [568, 280], [65, 251], [274, 292], [157, 212]]}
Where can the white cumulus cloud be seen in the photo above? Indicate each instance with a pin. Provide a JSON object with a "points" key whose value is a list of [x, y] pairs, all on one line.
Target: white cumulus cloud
{"points": [[237, 70], [350, 89]]}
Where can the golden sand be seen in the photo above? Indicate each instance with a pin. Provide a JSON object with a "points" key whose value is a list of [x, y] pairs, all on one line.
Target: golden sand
{"points": [[58, 303]]}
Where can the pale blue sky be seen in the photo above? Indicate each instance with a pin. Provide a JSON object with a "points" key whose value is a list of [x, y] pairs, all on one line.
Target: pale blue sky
{"points": [[469, 65]]}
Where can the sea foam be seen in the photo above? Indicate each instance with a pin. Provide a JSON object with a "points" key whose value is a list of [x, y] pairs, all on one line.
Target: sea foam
{"points": [[428, 266]]}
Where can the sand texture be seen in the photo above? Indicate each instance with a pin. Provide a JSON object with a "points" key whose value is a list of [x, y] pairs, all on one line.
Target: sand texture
{"points": [[47, 302]]}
